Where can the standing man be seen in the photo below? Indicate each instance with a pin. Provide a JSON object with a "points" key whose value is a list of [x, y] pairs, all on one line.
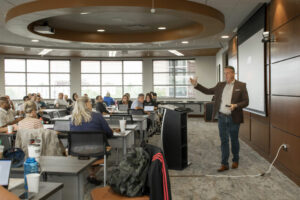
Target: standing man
{"points": [[231, 97]]}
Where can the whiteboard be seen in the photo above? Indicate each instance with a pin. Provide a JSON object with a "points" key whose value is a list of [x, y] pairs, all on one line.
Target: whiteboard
{"points": [[252, 72]]}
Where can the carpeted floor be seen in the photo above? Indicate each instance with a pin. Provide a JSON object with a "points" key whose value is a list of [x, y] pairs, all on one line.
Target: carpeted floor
{"points": [[204, 155]]}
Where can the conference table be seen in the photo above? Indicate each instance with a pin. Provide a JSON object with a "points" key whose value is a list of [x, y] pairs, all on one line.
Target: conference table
{"points": [[47, 190], [70, 171]]}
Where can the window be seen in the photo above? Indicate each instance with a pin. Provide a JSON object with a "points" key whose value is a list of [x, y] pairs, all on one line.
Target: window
{"points": [[47, 77], [171, 78], [116, 77]]}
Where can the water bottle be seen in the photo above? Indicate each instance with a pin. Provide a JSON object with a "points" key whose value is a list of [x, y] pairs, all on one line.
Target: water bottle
{"points": [[30, 166]]}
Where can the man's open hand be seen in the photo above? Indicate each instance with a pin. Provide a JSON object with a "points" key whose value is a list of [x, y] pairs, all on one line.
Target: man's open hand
{"points": [[194, 81]]}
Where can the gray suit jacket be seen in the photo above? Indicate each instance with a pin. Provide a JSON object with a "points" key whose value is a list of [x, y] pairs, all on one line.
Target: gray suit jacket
{"points": [[239, 97]]}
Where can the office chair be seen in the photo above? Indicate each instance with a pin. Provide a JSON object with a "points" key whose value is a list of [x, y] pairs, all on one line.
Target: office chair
{"points": [[89, 144]]}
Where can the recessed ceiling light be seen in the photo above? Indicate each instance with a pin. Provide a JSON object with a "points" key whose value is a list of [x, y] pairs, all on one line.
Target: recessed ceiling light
{"points": [[84, 13], [185, 42], [161, 28], [177, 53], [101, 30], [34, 40], [112, 53], [225, 36]]}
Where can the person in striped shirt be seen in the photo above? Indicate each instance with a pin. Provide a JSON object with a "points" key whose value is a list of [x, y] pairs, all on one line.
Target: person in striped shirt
{"points": [[30, 121]]}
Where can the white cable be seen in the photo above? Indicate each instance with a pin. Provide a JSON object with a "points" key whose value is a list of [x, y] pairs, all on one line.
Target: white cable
{"points": [[257, 175]]}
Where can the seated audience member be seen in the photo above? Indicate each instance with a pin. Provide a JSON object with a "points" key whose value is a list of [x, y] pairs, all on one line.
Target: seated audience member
{"points": [[33, 99], [66, 98], [40, 102], [109, 100], [20, 108], [139, 103], [124, 101], [129, 101], [154, 100], [148, 101], [100, 105], [6, 114], [60, 101], [75, 97], [30, 121], [83, 119], [12, 107]]}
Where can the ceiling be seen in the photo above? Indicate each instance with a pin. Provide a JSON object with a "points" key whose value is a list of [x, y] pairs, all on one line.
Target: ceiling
{"points": [[234, 11]]}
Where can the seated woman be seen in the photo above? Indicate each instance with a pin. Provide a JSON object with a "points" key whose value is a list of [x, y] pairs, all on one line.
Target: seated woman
{"points": [[30, 121], [148, 101], [124, 101], [83, 119]]}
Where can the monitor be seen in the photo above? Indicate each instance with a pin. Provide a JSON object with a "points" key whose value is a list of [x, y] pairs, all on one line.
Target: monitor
{"points": [[5, 166]]}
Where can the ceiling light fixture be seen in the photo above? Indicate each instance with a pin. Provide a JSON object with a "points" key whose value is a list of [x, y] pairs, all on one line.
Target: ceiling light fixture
{"points": [[34, 40], [44, 52], [84, 13], [161, 28], [185, 42], [177, 53], [101, 30], [112, 53], [152, 8], [225, 36]]}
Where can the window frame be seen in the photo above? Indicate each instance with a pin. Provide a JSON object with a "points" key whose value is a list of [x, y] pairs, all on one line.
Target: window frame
{"points": [[101, 73], [173, 73], [49, 85]]}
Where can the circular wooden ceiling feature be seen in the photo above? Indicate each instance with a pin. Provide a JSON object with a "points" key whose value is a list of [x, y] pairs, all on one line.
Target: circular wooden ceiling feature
{"points": [[186, 20]]}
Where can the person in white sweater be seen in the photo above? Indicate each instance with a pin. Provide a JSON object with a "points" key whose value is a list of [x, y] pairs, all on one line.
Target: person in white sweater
{"points": [[60, 101]]}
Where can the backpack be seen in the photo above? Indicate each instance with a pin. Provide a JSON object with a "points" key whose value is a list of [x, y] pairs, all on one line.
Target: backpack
{"points": [[16, 155], [129, 178]]}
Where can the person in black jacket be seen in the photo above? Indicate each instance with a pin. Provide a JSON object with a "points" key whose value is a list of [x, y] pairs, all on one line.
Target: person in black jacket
{"points": [[100, 105]]}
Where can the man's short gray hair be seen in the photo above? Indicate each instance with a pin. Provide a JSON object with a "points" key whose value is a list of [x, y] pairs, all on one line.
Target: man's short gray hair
{"points": [[230, 67]]}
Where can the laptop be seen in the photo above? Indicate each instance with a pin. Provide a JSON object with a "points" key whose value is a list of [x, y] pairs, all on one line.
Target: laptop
{"points": [[149, 108], [5, 166], [123, 107]]}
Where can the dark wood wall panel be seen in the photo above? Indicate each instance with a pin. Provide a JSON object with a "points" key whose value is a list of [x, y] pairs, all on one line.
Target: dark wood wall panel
{"points": [[285, 77], [287, 43], [282, 58], [260, 135], [286, 114], [290, 158], [245, 127], [281, 11]]}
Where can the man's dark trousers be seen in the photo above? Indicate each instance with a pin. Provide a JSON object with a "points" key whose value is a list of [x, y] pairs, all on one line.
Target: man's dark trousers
{"points": [[228, 129]]}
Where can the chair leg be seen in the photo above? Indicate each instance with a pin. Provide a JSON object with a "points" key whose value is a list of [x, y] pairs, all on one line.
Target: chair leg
{"points": [[105, 172]]}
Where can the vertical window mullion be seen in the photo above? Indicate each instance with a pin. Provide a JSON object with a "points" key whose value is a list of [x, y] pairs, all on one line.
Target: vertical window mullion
{"points": [[26, 90], [101, 79]]}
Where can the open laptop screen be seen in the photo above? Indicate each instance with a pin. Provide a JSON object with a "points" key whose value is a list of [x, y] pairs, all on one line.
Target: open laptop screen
{"points": [[149, 108], [5, 172]]}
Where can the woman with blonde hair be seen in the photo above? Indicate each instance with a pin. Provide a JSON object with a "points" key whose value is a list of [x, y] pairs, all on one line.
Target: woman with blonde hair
{"points": [[30, 121], [83, 119]]}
